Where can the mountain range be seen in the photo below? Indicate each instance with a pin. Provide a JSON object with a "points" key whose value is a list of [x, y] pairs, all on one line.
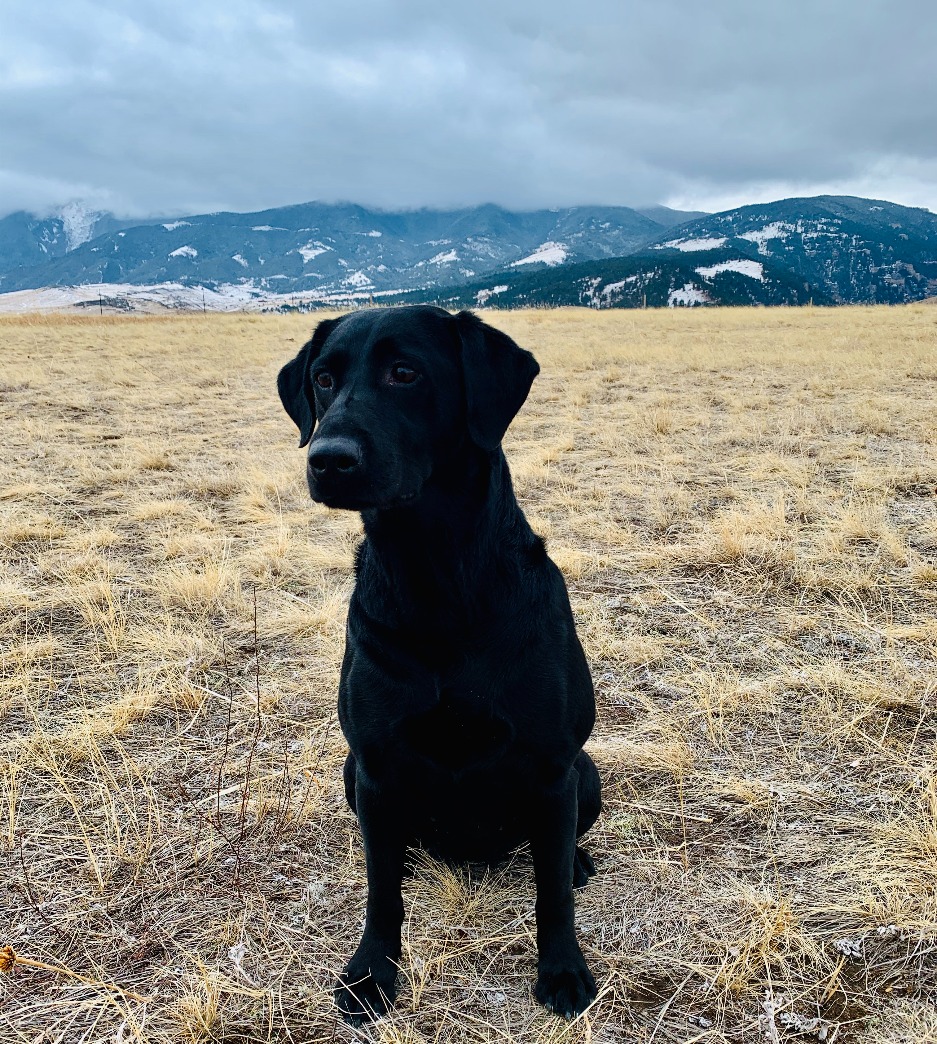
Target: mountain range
{"points": [[824, 249]]}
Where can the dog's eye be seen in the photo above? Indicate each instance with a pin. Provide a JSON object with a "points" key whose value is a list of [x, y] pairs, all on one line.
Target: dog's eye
{"points": [[324, 380], [401, 374]]}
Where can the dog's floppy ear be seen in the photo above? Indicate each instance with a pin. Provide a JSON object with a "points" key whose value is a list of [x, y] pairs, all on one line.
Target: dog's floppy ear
{"points": [[498, 375], [292, 384]]}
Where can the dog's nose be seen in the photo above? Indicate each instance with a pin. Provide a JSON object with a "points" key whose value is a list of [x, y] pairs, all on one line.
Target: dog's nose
{"points": [[336, 455]]}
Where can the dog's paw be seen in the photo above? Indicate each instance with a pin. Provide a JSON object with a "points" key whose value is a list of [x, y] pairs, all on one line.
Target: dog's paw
{"points": [[583, 868], [366, 990], [566, 990]]}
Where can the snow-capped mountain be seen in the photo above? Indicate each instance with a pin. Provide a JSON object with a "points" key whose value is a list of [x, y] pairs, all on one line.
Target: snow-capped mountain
{"points": [[825, 249], [848, 249], [332, 249], [28, 240], [713, 276]]}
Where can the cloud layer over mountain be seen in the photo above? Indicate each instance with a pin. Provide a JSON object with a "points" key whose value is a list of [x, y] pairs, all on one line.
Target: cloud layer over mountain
{"points": [[188, 107]]}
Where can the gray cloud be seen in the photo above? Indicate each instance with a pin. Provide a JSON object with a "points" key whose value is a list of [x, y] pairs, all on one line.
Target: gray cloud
{"points": [[178, 107]]}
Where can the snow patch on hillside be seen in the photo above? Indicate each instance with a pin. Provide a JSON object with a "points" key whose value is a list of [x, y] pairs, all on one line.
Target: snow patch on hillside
{"points": [[752, 269], [688, 296], [481, 246], [245, 296], [598, 296], [78, 224], [548, 253], [268, 228], [775, 230], [129, 297], [240, 260], [312, 249], [358, 279], [184, 251], [171, 226], [444, 258], [482, 296], [690, 245], [614, 288]]}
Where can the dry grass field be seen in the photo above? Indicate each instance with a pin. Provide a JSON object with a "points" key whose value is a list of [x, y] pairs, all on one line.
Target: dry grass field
{"points": [[744, 503]]}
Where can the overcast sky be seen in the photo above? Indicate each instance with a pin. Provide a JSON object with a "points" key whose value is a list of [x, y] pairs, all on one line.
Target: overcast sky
{"points": [[179, 107]]}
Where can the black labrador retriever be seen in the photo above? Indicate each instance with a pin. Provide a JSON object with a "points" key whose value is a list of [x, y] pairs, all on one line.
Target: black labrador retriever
{"points": [[465, 695]]}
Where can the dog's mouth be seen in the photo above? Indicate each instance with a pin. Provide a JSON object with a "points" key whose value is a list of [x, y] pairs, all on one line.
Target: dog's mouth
{"points": [[363, 489], [350, 502]]}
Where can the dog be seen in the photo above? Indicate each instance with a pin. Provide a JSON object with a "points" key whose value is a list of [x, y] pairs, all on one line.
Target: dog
{"points": [[465, 696]]}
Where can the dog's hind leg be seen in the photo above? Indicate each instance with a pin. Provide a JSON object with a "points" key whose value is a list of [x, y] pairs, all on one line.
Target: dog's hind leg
{"points": [[348, 774], [589, 806], [583, 867]]}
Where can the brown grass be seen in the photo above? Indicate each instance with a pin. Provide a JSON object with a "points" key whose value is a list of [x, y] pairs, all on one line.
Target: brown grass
{"points": [[745, 506]]}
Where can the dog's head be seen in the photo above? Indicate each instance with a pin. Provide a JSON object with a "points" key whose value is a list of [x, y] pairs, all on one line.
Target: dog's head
{"points": [[385, 397]]}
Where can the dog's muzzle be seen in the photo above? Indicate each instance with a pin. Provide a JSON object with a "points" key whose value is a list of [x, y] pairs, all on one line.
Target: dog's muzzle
{"points": [[335, 472]]}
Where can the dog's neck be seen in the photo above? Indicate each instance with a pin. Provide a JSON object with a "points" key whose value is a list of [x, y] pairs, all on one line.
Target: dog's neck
{"points": [[445, 560]]}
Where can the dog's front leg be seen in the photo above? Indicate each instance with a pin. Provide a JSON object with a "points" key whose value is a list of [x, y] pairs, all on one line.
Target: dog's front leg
{"points": [[564, 983], [367, 985]]}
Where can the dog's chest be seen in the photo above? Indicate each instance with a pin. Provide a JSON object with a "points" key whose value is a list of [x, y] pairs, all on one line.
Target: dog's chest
{"points": [[458, 733]]}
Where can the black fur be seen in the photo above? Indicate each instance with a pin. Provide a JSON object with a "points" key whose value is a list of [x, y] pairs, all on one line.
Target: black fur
{"points": [[465, 695]]}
